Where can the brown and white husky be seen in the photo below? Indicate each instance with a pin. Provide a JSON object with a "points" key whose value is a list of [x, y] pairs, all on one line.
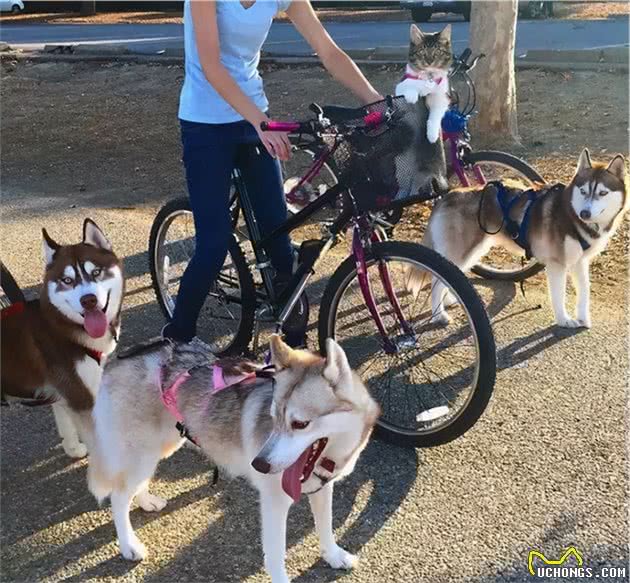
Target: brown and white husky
{"points": [[567, 228], [54, 348]]}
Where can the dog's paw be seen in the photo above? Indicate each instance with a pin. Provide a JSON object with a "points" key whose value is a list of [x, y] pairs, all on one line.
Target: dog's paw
{"points": [[568, 323], [337, 558], [134, 550], [150, 502], [440, 318], [449, 300], [74, 449], [433, 132], [585, 321]]}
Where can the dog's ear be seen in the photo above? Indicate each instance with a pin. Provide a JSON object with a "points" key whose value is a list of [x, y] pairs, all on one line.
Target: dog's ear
{"points": [[49, 247], [92, 235], [445, 34], [617, 167], [281, 353], [416, 34], [337, 370], [584, 161]]}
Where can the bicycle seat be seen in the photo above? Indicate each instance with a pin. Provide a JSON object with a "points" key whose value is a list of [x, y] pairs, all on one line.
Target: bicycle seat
{"points": [[339, 113]]}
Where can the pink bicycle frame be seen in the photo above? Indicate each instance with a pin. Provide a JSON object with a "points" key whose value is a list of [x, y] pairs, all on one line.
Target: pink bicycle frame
{"points": [[453, 139], [358, 250]]}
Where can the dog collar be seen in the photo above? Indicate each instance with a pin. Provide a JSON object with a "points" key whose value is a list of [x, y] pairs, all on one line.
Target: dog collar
{"points": [[94, 355], [12, 310], [418, 75]]}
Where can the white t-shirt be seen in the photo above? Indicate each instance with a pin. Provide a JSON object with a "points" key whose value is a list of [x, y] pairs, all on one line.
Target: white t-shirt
{"points": [[242, 33]]}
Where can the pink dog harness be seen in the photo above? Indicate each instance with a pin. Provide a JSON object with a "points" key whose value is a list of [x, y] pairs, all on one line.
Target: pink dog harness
{"points": [[219, 382]]}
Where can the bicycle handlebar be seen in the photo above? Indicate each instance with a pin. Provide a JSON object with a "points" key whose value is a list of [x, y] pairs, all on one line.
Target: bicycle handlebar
{"points": [[371, 120], [461, 62]]}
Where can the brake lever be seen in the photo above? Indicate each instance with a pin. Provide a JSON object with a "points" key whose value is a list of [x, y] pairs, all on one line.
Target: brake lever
{"points": [[475, 61]]}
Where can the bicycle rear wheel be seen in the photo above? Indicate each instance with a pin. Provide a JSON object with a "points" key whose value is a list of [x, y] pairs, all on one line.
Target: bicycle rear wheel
{"points": [[227, 317], [439, 380], [10, 292]]}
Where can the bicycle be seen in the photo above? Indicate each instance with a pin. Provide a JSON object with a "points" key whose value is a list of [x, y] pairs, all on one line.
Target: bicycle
{"points": [[388, 334], [466, 168]]}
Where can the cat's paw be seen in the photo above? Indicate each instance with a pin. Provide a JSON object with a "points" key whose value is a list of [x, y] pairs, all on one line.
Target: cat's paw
{"points": [[410, 96], [433, 132]]}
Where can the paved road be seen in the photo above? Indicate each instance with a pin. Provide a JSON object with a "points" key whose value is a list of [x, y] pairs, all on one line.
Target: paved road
{"points": [[284, 39]]}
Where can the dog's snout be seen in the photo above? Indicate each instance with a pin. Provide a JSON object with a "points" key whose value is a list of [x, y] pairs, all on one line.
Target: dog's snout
{"points": [[261, 465], [88, 301], [585, 214]]}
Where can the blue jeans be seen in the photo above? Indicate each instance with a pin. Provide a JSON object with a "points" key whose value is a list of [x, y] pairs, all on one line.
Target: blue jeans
{"points": [[211, 152]]}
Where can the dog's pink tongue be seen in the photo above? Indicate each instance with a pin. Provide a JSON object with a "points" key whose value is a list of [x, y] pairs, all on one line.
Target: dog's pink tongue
{"points": [[95, 322], [291, 476]]}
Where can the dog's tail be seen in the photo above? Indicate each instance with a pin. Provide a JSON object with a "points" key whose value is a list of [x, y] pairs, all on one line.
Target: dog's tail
{"points": [[417, 279]]}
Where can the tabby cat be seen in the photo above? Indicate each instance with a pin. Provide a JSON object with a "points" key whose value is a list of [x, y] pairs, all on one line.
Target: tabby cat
{"points": [[426, 75]]}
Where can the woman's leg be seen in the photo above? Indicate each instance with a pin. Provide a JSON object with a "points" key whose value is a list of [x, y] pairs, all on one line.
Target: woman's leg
{"points": [[263, 179], [209, 157]]}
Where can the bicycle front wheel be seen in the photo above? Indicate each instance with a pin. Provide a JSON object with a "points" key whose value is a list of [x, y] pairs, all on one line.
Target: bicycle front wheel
{"points": [[438, 380], [483, 167], [227, 317]]}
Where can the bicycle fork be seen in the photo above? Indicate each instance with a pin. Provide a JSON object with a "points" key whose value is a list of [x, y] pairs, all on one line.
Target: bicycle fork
{"points": [[358, 250]]}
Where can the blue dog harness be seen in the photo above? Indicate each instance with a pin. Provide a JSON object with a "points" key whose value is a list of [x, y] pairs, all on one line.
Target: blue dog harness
{"points": [[517, 231]]}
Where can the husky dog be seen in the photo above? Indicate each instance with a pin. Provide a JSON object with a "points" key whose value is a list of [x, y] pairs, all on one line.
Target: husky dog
{"points": [[568, 226], [426, 75], [298, 431], [54, 348]]}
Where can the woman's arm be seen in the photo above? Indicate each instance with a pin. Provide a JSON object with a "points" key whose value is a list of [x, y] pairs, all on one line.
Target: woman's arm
{"points": [[337, 63], [204, 18]]}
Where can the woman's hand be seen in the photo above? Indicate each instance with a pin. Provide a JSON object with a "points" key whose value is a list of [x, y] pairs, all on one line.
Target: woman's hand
{"points": [[277, 143]]}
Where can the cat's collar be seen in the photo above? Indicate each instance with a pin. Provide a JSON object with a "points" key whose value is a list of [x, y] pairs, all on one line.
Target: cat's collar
{"points": [[411, 73]]}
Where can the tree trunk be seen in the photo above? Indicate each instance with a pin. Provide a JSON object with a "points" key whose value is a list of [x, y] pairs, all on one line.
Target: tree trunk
{"points": [[88, 7], [493, 32]]}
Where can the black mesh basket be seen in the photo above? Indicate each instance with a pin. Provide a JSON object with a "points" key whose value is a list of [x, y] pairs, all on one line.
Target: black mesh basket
{"points": [[390, 163]]}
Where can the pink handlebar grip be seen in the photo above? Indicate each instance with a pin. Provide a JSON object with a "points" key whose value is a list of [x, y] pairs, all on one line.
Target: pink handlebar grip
{"points": [[280, 126], [373, 119]]}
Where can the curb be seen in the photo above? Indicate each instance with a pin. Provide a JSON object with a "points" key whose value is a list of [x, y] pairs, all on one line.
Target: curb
{"points": [[380, 56]]}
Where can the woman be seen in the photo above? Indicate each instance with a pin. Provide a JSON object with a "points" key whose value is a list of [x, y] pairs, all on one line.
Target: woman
{"points": [[222, 105]]}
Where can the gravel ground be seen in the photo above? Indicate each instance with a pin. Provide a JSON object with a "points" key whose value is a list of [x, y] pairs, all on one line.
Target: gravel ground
{"points": [[544, 468]]}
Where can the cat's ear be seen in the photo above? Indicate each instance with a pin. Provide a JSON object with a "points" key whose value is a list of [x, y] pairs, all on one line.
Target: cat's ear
{"points": [[417, 35], [584, 161], [445, 35]]}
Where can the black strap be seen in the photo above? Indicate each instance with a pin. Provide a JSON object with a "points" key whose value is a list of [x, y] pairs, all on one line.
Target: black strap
{"points": [[183, 431]]}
